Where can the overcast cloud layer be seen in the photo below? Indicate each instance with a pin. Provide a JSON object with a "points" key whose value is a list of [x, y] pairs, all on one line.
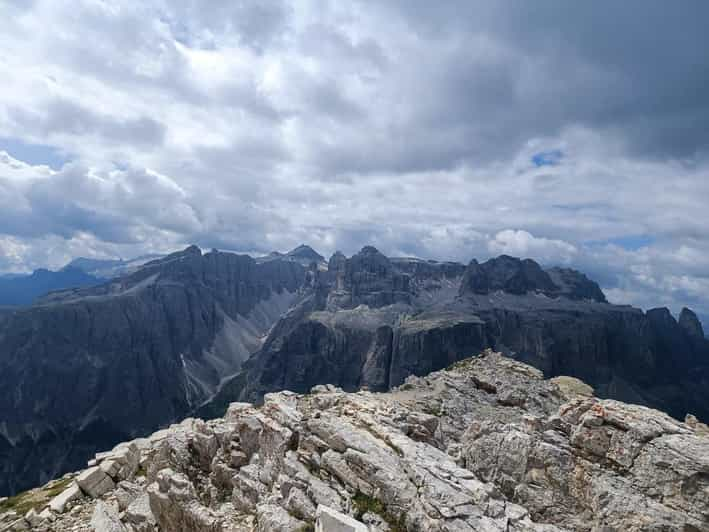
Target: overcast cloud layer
{"points": [[573, 133]]}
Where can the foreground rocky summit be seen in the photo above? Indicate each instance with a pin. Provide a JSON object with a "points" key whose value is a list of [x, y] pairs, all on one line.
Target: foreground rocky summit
{"points": [[486, 445]]}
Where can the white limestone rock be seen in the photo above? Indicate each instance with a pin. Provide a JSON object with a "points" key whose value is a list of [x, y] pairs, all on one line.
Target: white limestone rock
{"points": [[95, 482], [105, 519], [329, 520], [487, 445]]}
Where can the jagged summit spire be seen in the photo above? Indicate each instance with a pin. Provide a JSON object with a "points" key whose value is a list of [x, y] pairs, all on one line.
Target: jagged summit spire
{"points": [[303, 251], [689, 321]]}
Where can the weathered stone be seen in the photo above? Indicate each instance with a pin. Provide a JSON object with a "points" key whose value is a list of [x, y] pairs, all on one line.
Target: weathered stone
{"points": [[126, 493], [105, 519], [443, 453], [274, 518], [110, 467], [174, 504], [571, 387], [139, 514], [95, 482], [329, 520], [33, 518], [19, 524], [59, 503]]}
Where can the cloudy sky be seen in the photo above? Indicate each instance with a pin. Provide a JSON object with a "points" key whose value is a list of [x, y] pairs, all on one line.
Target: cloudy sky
{"points": [[573, 133]]}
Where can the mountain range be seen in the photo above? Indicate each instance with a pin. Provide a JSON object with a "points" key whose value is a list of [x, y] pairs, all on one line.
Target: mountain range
{"points": [[20, 290], [190, 332], [24, 289]]}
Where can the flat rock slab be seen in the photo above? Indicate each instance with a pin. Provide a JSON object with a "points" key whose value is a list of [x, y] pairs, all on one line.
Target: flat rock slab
{"points": [[329, 520], [58, 504], [95, 482]]}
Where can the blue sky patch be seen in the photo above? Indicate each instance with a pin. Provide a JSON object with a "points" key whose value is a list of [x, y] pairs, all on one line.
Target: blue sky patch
{"points": [[34, 154], [629, 242], [547, 158]]}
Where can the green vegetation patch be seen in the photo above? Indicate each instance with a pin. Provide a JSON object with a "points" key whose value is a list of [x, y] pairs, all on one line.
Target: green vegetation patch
{"points": [[364, 504], [36, 498], [432, 409]]}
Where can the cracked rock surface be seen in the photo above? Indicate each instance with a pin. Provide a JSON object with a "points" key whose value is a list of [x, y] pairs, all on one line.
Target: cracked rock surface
{"points": [[487, 444]]}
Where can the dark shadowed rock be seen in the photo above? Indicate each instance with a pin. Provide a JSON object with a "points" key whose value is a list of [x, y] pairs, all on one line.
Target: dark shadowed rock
{"points": [[690, 323], [305, 253], [367, 278], [87, 368], [575, 285], [507, 274]]}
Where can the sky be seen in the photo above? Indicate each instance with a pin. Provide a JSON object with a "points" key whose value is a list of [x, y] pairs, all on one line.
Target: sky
{"points": [[573, 133]]}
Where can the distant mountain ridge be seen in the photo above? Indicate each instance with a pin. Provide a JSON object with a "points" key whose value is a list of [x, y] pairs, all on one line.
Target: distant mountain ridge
{"points": [[371, 321], [303, 255], [25, 289], [188, 332], [19, 290], [110, 268]]}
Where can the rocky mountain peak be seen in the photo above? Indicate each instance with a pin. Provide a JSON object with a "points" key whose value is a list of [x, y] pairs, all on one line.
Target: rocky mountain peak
{"points": [[689, 321], [487, 444], [575, 285], [369, 250], [191, 250], [521, 276], [336, 260], [367, 277], [305, 252], [508, 274], [662, 315]]}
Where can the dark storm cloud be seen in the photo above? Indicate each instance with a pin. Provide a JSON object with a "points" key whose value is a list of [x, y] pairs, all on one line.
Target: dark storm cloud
{"points": [[638, 68]]}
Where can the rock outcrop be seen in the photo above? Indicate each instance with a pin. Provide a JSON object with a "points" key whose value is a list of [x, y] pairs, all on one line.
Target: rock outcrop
{"points": [[690, 324], [487, 444], [506, 274], [367, 278], [303, 255]]}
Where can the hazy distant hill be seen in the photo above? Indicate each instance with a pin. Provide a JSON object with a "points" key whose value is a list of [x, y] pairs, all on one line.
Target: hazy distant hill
{"points": [[18, 290], [109, 268]]}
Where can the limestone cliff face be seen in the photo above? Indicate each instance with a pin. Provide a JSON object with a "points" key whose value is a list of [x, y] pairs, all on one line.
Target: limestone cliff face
{"points": [[486, 445], [87, 368], [371, 330]]}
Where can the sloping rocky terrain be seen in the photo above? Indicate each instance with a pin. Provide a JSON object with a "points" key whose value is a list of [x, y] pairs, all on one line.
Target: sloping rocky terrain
{"points": [[486, 445], [189, 333]]}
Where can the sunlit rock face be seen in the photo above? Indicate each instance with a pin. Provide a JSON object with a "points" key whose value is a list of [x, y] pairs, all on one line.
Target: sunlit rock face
{"points": [[487, 444]]}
